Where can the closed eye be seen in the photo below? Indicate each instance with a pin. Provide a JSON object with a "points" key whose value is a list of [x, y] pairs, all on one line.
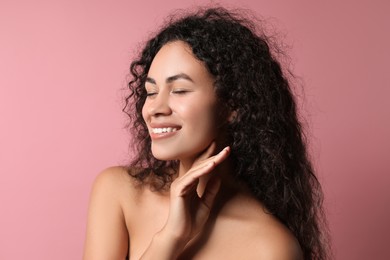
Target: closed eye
{"points": [[149, 94], [180, 91]]}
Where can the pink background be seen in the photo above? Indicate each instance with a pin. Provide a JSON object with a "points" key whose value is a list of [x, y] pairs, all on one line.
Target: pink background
{"points": [[63, 67]]}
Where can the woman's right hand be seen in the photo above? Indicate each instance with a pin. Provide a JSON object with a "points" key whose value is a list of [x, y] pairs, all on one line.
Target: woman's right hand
{"points": [[188, 211]]}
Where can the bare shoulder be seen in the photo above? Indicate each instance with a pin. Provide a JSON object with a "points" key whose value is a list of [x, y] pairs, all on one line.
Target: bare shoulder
{"points": [[113, 177], [107, 236], [117, 185], [277, 242], [247, 231]]}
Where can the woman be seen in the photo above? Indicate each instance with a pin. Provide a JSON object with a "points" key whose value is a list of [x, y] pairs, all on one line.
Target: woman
{"points": [[221, 170]]}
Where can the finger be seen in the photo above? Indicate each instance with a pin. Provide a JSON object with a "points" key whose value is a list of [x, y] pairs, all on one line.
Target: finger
{"points": [[217, 159], [211, 192], [210, 150], [208, 198], [183, 185], [189, 188], [221, 156]]}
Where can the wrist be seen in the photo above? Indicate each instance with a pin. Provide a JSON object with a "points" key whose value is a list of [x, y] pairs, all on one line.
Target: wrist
{"points": [[170, 242], [164, 246], [170, 239]]}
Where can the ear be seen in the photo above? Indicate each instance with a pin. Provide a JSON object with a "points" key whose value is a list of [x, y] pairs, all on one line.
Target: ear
{"points": [[232, 116]]}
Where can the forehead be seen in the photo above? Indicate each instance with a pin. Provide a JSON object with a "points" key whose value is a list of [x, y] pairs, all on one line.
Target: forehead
{"points": [[175, 58]]}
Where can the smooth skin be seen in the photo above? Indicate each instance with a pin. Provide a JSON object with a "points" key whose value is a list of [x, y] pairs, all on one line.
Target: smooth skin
{"points": [[188, 212], [205, 214]]}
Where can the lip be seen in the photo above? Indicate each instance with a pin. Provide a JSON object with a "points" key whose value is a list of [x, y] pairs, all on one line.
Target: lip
{"points": [[162, 135]]}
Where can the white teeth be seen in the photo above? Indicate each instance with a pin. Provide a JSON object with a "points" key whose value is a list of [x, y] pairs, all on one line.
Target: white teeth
{"points": [[163, 130]]}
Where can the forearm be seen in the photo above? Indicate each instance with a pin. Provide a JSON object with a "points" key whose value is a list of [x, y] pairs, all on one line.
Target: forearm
{"points": [[163, 247]]}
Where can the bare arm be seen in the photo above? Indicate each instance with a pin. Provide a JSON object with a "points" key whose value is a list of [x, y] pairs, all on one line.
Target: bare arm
{"points": [[107, 236]]}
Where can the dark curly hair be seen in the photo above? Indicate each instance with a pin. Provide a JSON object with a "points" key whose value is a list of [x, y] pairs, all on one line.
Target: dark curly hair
{"points": [[267, 143]]}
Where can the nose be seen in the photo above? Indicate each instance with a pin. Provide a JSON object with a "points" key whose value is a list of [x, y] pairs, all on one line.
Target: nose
{"points": [[159, 104]]}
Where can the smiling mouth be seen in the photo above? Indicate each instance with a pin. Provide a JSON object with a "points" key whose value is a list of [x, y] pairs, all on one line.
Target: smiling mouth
{"points": [[164, 130]]}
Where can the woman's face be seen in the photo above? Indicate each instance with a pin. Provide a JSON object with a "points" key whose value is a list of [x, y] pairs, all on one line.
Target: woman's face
{"points": [[181, 107]]}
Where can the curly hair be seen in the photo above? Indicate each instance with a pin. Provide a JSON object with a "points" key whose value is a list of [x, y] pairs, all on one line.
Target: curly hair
{"points": [[267, 143]]}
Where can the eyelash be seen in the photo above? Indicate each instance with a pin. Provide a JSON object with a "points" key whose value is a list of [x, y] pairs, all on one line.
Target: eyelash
{"points": [[178, 92]]}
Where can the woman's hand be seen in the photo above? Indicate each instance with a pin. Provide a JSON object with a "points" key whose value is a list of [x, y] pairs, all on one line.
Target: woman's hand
{"points": [[188, 210]]}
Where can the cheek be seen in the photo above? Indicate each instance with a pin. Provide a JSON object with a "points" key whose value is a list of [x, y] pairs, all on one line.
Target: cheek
{"points": [[202, 118]]}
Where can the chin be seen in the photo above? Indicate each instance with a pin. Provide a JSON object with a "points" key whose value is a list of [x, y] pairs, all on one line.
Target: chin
{"points": [[171, 149], [164, 154], [171, 154], [164, 157]]}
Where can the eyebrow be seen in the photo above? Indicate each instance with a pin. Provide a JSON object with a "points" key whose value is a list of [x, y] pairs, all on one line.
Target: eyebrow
{"points": [[171, 78]]}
